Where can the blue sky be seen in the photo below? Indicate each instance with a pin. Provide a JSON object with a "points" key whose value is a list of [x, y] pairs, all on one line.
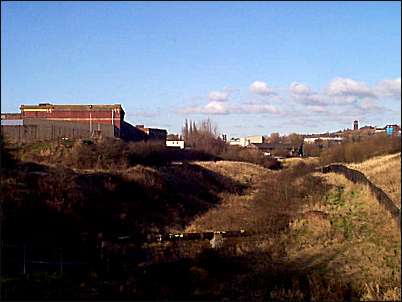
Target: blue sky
{"points": [[252, 67]]}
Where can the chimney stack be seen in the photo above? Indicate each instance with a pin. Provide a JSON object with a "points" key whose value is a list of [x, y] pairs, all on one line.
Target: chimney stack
{"points": [[355, 125]]}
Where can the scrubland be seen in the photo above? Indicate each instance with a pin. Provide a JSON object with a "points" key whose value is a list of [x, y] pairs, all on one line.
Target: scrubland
{"points": [[337, 243], [385, 172], [312, 236]]}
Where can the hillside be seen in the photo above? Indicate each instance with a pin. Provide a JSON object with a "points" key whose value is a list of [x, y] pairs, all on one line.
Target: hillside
{"points": [[312, 236], [234, 210], [339, 244], [385, 172]]}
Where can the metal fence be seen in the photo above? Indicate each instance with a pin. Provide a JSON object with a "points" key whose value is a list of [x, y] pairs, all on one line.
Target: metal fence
{"points": [[358, 177]]}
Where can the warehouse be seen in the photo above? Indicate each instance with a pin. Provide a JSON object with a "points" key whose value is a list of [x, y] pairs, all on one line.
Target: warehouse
{"points": [[47, 121]]}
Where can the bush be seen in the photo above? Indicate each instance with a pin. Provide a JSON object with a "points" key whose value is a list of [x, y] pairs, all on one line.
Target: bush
{"points": [[250, 155], [358, 151]]}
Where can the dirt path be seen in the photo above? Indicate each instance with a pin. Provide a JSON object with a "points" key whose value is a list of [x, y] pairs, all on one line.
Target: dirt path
{"points": [[236, 209]]}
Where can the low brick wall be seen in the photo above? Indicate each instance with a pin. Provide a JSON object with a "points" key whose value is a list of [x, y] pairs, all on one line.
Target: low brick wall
{"points": [[358, 177]]}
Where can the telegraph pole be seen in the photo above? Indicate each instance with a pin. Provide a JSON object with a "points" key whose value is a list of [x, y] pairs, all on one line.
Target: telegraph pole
{"points": [[61, 261], [25, 271]]}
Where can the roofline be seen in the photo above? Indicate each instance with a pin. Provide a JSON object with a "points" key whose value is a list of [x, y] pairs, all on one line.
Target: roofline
{"points": [[73, 106]]}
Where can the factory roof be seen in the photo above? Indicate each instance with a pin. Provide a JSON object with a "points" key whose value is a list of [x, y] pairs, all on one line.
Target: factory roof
{"points": [[71, 107]]}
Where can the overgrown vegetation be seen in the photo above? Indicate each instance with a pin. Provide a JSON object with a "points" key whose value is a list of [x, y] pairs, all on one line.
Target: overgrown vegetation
{"points": [[318, 239], [385, 172], [315, 237], [204, 137], [360, 150], [110, 154]]}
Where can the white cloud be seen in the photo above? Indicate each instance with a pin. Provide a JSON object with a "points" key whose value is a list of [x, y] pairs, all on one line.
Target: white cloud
{"points": [[348, 89], [218, 96], [312, 99], [210, 108], [304, 94], [350, 96], [389, 88], [215, 108], [317, 109], [368, 105], [299, 89], [261, 88], [256, 108], [225, 108]]}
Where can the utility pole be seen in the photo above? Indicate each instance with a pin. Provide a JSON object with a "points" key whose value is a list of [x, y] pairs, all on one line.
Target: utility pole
{"points": [[90, 120], [61, 261], [25, 271]]}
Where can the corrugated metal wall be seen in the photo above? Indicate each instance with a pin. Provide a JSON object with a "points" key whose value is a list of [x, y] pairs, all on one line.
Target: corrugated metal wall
{"points": [[40, 130]]}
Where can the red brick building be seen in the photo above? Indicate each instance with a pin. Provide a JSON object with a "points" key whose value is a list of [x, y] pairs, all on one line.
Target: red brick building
{"points": [[71, 120], [89, 114], [153, 133]]}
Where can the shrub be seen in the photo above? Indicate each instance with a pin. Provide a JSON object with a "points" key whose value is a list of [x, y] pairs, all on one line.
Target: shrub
{"points": [[250, 155], [358, 151]]}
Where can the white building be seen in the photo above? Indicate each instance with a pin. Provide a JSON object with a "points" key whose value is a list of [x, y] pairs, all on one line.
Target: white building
{"points": [[235, 142], [246, 141], [176, 144], [311, 140]]}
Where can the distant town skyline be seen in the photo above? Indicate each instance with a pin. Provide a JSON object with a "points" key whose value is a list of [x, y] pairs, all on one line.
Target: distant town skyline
{"points": [[253, 68]]}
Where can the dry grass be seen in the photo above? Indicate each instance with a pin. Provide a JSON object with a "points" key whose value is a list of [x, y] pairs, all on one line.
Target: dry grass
{"points": [[245, 173], [385, 172], [361, 237], [292, 161], [237, 209]]}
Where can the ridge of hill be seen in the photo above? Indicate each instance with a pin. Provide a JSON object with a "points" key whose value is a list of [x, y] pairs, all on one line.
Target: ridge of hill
{"points": [[385, 172]]}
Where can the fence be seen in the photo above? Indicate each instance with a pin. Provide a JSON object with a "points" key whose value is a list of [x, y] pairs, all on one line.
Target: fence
{"points": [[358, 177]]}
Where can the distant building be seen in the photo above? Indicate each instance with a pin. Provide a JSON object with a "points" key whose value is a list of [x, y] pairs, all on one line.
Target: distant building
{"points": [[153, 133], [270, 148], [88, 114], [392, 129], [175, 144], [379, 130], [355, 125], [47, 121], [255, 139], [246, 141], [312, 140], [234, 141], [11, 119]]}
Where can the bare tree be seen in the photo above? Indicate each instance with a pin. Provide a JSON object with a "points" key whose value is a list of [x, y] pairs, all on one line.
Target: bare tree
{"points": [[203, 136]]}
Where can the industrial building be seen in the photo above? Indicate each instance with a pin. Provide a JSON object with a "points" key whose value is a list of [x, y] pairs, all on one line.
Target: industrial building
{"points": [[48, 121], [312, 140], [246, 141], [175, 144]]}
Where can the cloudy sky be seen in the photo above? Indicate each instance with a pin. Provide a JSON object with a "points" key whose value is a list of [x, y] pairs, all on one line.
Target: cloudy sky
{"points": [[252, 67]]}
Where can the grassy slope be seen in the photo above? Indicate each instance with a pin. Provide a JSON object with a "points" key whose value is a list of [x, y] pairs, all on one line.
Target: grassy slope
{"points": [[385, 172], [234, 210], [343, 242], [362, 239], [134, 201]]}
